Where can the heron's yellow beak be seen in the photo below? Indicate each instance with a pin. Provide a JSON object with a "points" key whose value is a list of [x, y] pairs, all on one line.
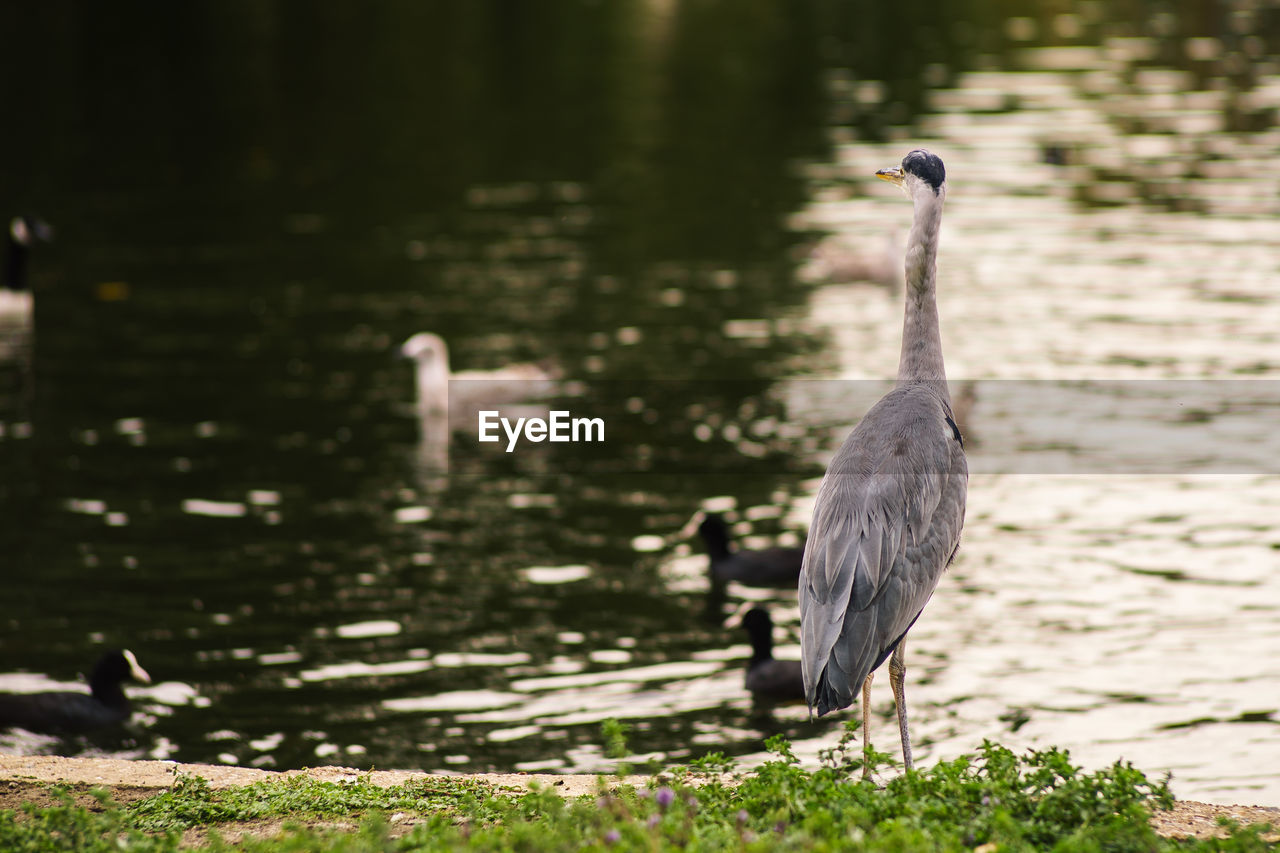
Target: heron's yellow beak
{"points": [[893, 176]]}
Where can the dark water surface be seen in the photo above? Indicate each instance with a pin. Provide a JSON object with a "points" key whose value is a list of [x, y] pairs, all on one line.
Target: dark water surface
{"points": [[210, 452]]}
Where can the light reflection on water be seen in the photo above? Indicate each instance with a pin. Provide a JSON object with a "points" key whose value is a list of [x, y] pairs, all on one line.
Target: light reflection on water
{"points": [[1106, 222]]}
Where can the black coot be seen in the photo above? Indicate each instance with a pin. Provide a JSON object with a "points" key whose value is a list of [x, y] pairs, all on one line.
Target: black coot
{"points": [[768, 678], [65, 712], [777, 568]]}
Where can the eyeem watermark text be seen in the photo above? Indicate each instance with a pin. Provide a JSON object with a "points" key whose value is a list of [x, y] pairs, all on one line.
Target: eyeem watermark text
{"points": [[559, 426]]}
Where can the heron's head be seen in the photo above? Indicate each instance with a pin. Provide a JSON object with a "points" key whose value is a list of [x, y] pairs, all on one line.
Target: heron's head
{"points": [[919, 168]]}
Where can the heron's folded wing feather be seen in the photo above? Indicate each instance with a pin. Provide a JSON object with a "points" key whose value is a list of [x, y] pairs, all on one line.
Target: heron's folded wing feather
{"points": [[873, 508]]}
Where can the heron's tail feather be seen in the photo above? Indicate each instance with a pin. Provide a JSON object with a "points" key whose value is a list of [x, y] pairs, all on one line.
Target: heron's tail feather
{"points": [[828, 695]]}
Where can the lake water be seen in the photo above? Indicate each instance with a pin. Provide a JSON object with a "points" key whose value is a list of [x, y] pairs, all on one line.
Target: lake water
{"points": [[209, 451]]}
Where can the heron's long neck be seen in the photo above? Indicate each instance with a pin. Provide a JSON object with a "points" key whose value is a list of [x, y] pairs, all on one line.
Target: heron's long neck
{"points": [[921, 359]]}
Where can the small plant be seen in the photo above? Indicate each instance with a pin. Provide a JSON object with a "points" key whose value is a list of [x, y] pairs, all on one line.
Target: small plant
{"points": [[615, 738], [68, 826], [848, 756], [711, 764]]}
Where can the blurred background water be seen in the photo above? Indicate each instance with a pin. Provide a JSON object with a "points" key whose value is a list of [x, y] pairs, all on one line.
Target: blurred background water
{"points": [[208, 446]]}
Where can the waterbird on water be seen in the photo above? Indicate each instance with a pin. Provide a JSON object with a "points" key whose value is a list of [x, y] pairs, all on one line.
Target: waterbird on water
{"points": [[15, 295], [837, 261], [776, 568], [432, 375], [67, 712], [768, 678], [773, 567], [888, 515], [449, 402]]}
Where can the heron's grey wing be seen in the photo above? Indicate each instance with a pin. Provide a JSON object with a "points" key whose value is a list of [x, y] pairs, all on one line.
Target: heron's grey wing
{"points": [[886, 522]]}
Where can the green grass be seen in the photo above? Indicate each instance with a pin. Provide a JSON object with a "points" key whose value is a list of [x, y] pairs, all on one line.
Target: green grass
{"points": [[192, 803], [994, 800]]}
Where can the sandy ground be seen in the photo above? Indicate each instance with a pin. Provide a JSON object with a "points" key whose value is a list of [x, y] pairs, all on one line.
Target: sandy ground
{"points": [[24, 779]]}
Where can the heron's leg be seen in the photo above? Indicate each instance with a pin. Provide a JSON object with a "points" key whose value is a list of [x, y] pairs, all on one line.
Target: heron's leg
{"points": [[897, 680], [866, 726]]}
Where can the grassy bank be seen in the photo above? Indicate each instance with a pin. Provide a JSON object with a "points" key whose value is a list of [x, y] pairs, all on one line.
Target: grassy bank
{"points": [[993, 800]]}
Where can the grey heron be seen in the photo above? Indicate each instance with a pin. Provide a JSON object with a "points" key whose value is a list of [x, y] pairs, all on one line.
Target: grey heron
{"points": [[887, 519]]}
